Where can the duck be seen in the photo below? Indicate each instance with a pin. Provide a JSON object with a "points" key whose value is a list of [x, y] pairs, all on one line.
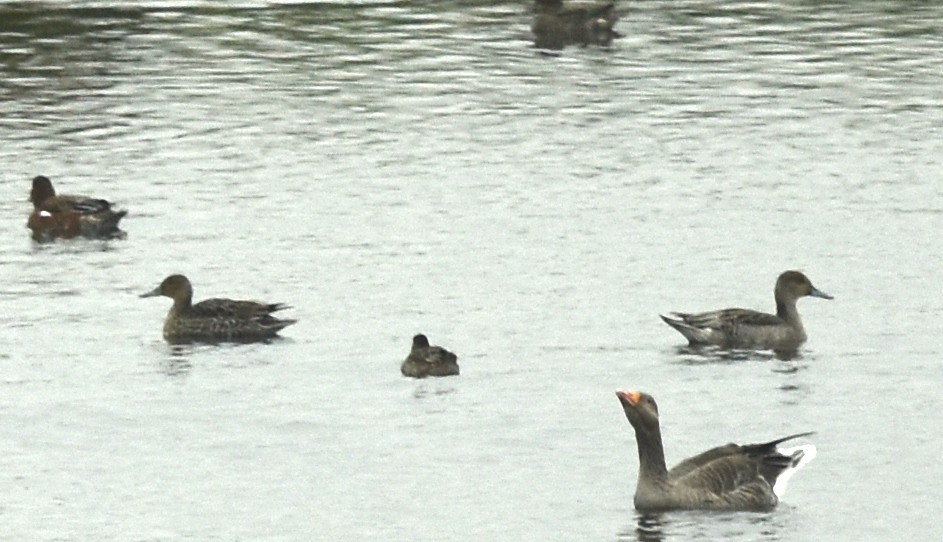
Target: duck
{"points": [[557, 24], [217, 319], [62, 216], [731, 477], [424, 360], [749, 329]]}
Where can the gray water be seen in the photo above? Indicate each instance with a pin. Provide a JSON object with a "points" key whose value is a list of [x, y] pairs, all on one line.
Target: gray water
{"points": [[395, 167]]}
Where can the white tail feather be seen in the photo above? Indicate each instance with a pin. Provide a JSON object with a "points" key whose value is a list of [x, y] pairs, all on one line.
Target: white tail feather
{"points": [[808, 454]]}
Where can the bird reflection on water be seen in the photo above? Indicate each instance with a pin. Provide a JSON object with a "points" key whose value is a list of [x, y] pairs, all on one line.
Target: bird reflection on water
{"points": [[655, 527], [696, 355], [649, 528]]}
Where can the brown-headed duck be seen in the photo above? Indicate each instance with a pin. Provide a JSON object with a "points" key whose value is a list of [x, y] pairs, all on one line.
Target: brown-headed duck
{"points": [[62, 216], [749, 329], [217, 319]]}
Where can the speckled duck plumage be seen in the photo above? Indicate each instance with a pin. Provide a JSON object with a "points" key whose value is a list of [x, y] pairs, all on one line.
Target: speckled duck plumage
{"points": [[217, 319]]}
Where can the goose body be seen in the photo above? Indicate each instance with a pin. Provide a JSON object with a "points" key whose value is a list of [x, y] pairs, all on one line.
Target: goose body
{"points": [[728, 477], [425, 360], [744, 328], [216, 319]]}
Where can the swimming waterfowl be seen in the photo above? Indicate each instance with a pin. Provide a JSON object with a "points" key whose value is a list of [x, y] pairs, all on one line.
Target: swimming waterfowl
{"points": [[217, 319], [748, 477], [557, 24], [424, 360], [742, 328], [67, 216]]}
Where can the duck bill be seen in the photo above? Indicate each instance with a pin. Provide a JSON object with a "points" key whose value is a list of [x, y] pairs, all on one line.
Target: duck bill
{"points": [[630, 398], [152, 293], [819, 293]]}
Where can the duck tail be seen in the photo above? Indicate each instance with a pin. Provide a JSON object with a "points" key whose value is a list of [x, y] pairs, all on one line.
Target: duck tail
{"points": [[694, 335], [277, 325], [109, 225]]}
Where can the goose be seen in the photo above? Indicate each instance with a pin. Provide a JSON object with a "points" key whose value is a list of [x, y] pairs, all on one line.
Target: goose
{"points": [[749, 477]]}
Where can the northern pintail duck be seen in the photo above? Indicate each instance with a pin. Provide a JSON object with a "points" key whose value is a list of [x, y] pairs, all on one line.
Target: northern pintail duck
{"points": [[729, 477], [61, 216], [743, 328], [424, 360], [215, 320], [558, 24]]}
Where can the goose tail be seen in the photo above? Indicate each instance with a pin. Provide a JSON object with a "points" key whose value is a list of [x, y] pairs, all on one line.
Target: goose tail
{"points": [[800, 456]]}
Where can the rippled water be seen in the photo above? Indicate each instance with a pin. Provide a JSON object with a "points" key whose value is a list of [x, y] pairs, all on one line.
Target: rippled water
{"points": [[395, 167]]}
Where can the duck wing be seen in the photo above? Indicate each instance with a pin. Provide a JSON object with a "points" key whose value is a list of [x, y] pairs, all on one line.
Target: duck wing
{"points": [[89, 206], [83, 205], [717, 327], [588, 9], [727, 318], [232, 308], [433, 355], [437, 354], [583, 17]]}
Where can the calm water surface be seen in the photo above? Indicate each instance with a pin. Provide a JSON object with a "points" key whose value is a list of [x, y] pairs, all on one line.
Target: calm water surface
{"points": [[394, 167]]}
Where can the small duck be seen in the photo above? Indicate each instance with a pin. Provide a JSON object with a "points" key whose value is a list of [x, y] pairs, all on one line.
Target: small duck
{"points": [[66, 216], [749, 477], [557, 25], [748, 329], [424, 360], [217, 319]]}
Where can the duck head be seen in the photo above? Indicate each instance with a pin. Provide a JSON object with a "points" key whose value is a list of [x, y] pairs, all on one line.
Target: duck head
{"points": [[793, 284], [41, 191], [176, 287], [420, 341]]}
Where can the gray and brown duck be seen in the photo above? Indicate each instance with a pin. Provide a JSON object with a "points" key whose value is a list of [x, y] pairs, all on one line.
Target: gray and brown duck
{"points": [[424, 360], [749, 329], [64, 216], [749, 477], [558, 23], [217, 319]]}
